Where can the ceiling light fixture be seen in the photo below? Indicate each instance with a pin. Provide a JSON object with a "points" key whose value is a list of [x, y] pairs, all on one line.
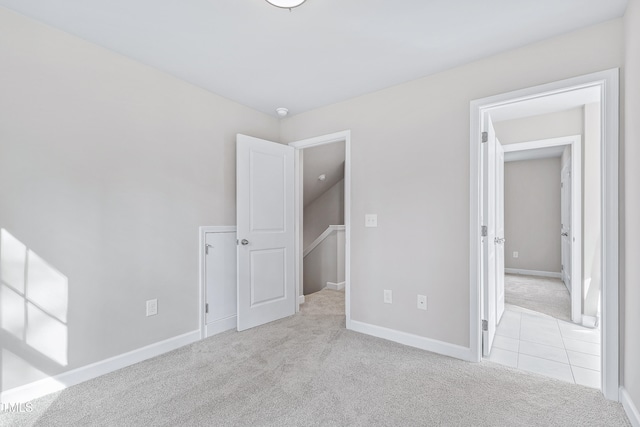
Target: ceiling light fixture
{"points": [[322, 177], [285, 4], [282, 112]]}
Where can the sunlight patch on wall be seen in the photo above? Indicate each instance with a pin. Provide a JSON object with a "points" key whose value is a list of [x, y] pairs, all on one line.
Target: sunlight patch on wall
{"points": [[12, 261], [15, 370], [34, 300], [12, 311]]}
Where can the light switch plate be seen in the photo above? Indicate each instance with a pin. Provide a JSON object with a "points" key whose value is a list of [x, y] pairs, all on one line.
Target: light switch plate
{"points": [[371, 220], [515, 254]]}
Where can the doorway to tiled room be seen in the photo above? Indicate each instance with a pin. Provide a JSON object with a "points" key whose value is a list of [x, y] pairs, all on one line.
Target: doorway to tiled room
{"points": [[546, 250], [546, 343]]}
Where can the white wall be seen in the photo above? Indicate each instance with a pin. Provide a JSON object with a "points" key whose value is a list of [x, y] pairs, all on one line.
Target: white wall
{"points": [[532, 214], [631, 271], [321, 265], [326, 210], [107, 168], [410, 165], [543, 126]]}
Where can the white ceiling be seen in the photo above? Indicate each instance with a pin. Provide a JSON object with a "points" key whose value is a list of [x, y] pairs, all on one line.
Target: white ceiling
{"points": [[324, 159], [323, 52]]}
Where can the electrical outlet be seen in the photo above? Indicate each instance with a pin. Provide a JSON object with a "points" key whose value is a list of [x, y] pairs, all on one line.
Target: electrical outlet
{"points": [[371, 220], [152, 307], [388, 296], [422, 302], [515, 254]]}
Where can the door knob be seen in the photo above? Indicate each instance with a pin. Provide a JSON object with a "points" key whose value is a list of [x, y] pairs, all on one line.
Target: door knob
{"points": [[565, 234], [498, 240], [244, 242]]}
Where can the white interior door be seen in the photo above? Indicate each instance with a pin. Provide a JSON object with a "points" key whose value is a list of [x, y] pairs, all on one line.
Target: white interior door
{"points": [[220, 281], [489, 320], [565, 226], [499, 240], [265, 222]]}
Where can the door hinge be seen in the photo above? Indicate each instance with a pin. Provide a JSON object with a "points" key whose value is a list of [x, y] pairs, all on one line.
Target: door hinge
{"points": [[485, 136], [206, 308], [237, 242], [485, 325], [483, 231]]}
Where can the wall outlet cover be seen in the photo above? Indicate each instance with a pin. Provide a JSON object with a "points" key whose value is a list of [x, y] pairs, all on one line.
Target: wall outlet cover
{"points": [[371, 220], [152, 307], [422, 302], [388, 296]]}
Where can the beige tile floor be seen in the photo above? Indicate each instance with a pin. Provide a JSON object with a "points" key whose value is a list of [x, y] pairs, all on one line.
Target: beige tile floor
{"points": [[539, 343]]}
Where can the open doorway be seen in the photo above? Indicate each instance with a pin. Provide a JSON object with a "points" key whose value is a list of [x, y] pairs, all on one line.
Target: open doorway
{"points": [[322, 215], [551, 98]]}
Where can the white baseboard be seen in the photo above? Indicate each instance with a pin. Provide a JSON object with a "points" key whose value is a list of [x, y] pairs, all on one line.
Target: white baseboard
{"points": [[301, 299], [411, 340], [533, 273], [629, 407], [221, 325], [335, 286], [49, 385], [589, 321]]}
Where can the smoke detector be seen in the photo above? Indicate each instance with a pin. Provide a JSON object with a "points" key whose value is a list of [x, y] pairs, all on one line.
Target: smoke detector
{"points": [[282, 112]]}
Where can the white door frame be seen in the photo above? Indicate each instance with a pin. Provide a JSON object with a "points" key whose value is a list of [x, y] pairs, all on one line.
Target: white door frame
{"points": [[608, 84], [202, 297], [575, 142], [343, 136]]}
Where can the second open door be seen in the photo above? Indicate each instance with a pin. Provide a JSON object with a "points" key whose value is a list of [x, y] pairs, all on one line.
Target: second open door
{"points": [[265, 224]]}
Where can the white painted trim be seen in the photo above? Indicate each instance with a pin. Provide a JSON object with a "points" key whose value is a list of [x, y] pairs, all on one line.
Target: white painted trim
{"points": [[412, 340], [322, 140], [629, 407], [300, 299], [202, 297], [313, 142], [608, 83], [330, 229], [533, 273], [335, 286], [221, 325], [76, 376], [542, 143], [589, 321]]}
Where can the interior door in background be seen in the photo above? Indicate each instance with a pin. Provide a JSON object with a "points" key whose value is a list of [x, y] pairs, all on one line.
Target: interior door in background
{"points": [[565, 223], [265, 229], [499, 239]]}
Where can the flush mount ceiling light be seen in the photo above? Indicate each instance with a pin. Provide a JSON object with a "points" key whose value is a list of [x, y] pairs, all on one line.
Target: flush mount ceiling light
{"points": [[286, 4]]}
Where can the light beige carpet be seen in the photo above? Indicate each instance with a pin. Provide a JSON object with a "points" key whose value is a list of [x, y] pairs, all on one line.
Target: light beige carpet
{"points": [[308, 370], [542, 294]]}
